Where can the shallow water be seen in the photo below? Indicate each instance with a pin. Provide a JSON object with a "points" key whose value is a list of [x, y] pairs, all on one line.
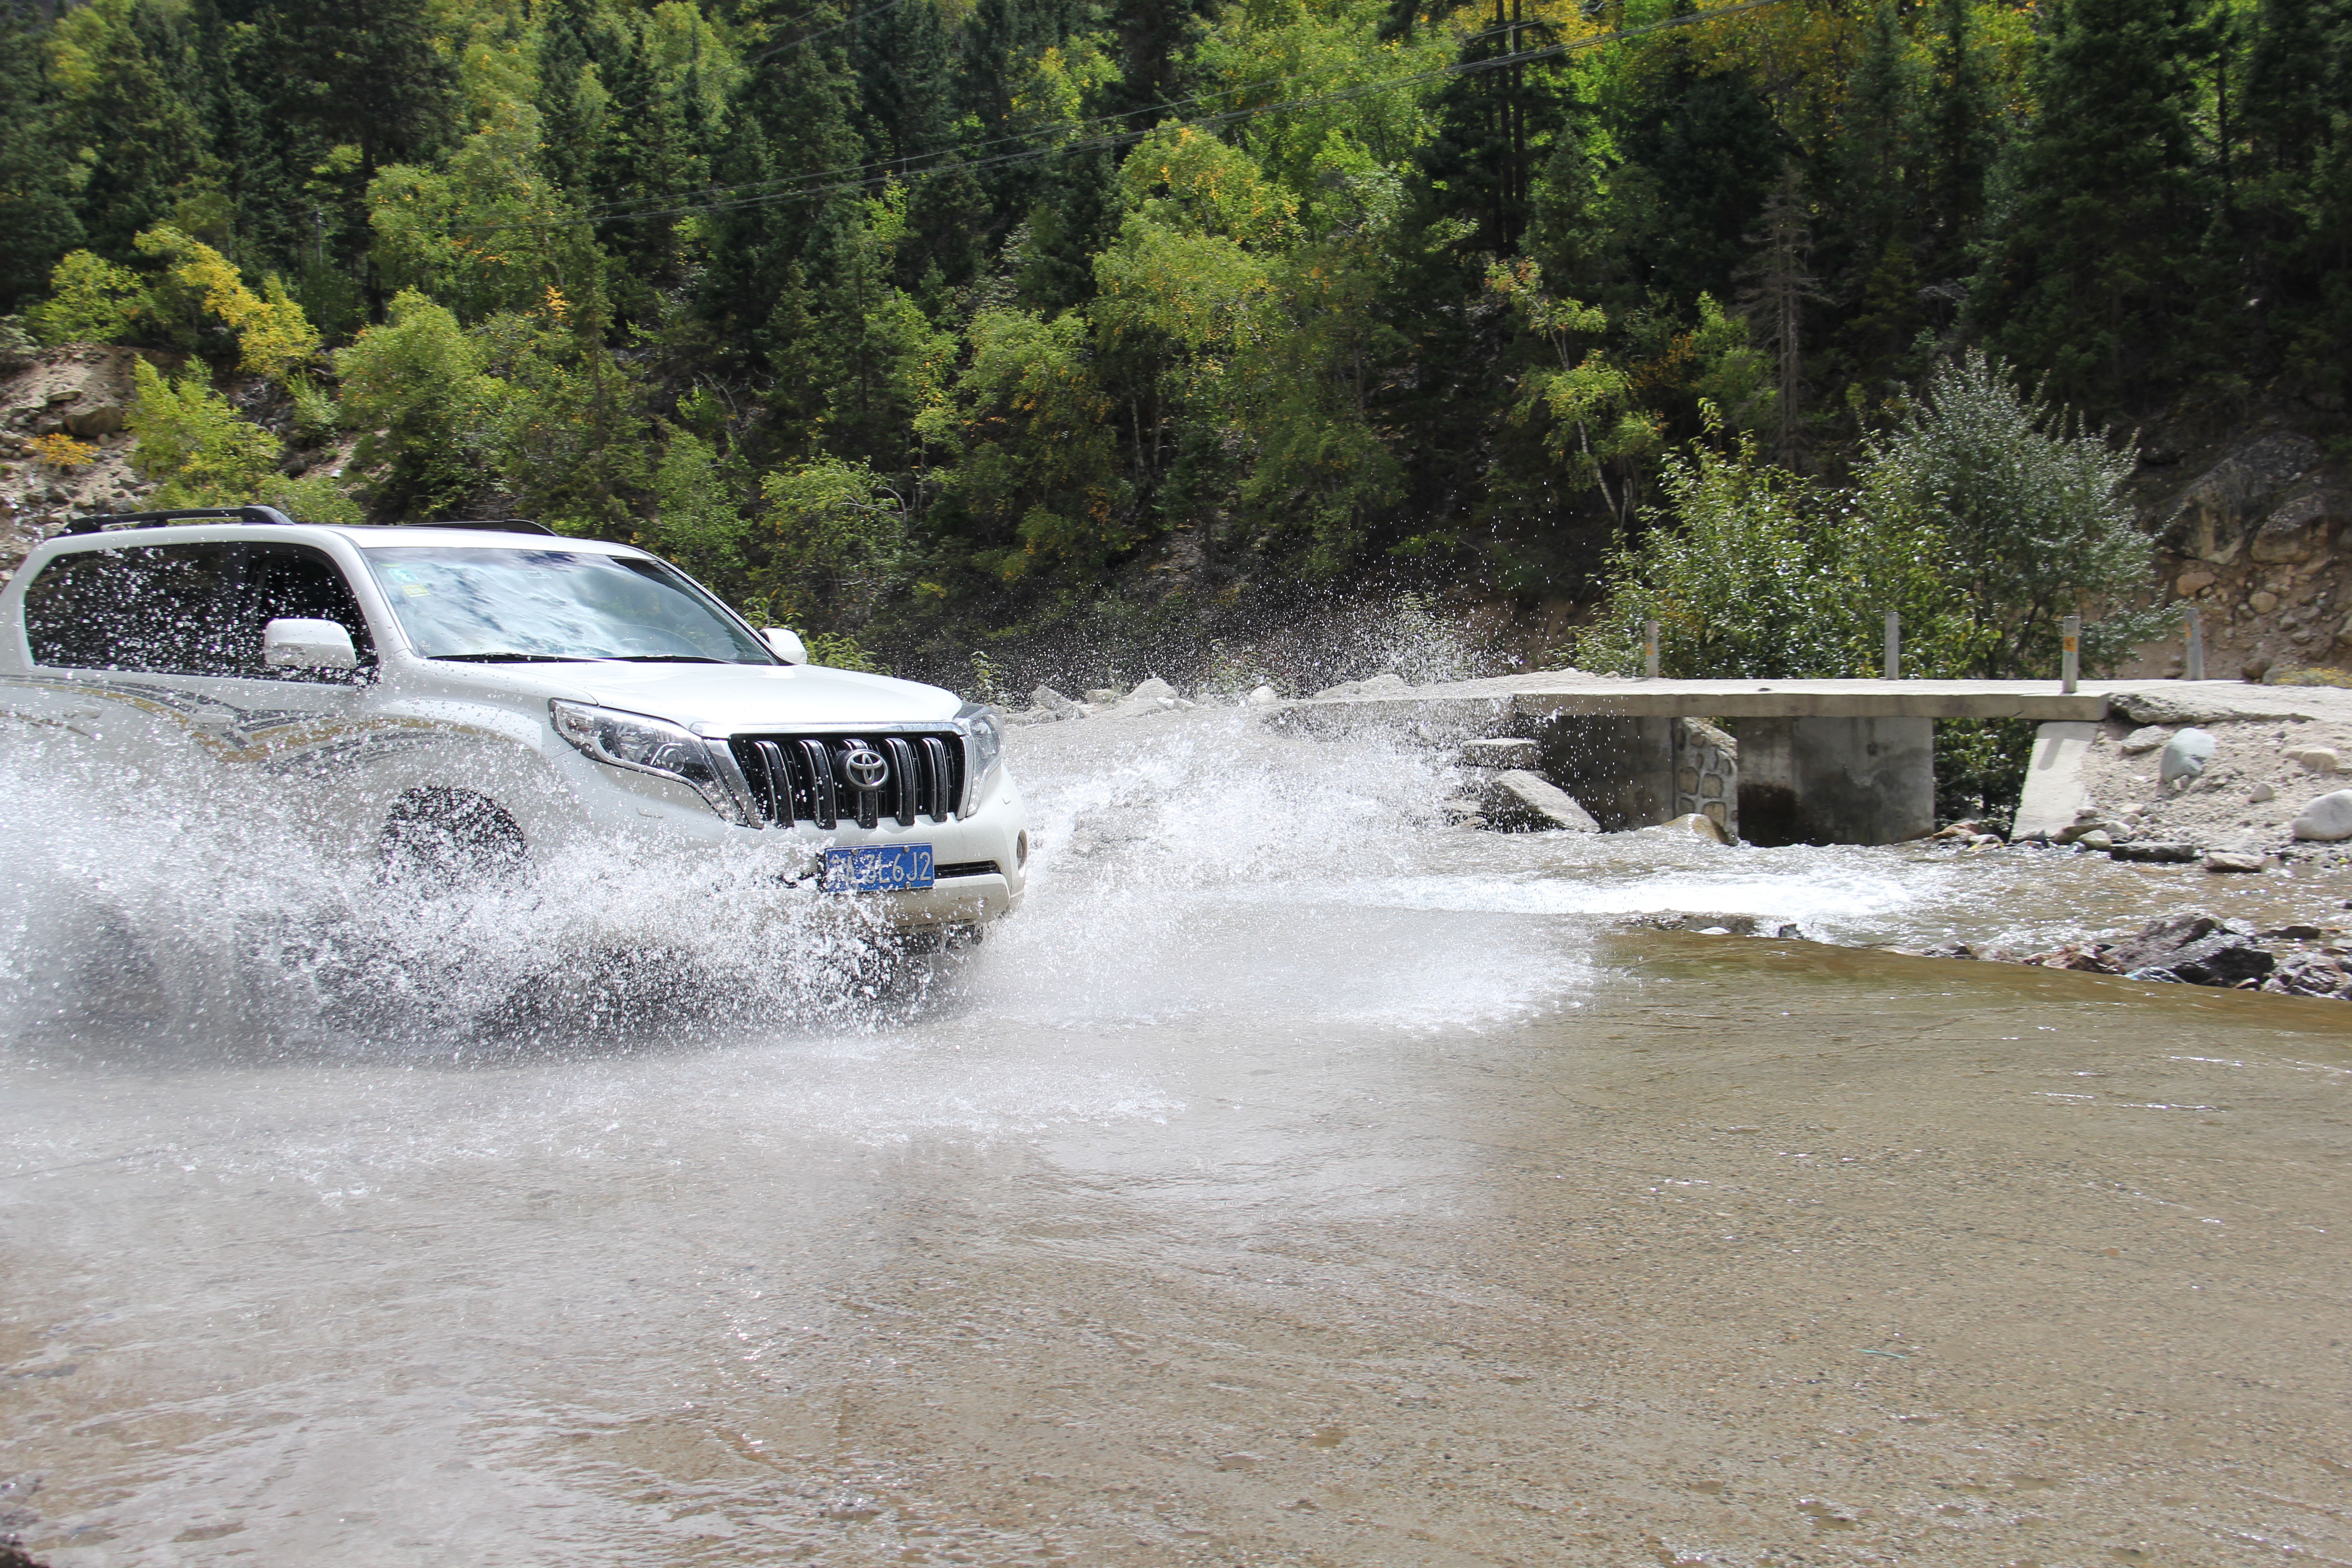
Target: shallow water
{"points": [[1296, 1179]]}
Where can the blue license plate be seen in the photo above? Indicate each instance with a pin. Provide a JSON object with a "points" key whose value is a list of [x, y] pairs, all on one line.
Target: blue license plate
{"points": [[877, 869]]}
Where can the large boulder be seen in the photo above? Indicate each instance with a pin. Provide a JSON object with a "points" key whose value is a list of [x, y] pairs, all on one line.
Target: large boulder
{"points": [[2297, 528], [2327, 819], [2214, 516], [2193, 949], [2185, 757], [82, 390], [1518, 801]]}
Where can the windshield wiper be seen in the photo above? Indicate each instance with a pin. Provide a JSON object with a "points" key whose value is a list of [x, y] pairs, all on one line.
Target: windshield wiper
{"points": [[523, 657], [668, 658]]}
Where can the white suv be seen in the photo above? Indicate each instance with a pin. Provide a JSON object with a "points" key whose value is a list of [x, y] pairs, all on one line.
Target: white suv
{"points": [[452, 697]]}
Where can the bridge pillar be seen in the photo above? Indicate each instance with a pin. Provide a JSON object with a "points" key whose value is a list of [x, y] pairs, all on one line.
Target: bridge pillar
{"points": [[1836, 781]]}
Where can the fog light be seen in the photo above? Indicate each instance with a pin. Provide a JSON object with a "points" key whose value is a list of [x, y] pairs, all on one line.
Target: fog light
{"points": [[1021, 849]]}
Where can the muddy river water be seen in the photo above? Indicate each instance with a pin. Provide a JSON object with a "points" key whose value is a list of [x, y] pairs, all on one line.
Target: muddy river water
{"points": [[1296, 1180]]}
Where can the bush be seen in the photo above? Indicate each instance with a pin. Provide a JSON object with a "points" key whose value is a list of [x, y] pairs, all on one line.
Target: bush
{"points": [[195, 446], [91, 300], [1983, 520]]}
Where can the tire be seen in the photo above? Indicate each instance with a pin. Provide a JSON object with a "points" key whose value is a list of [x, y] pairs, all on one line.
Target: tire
{"points": [[444, 838]]}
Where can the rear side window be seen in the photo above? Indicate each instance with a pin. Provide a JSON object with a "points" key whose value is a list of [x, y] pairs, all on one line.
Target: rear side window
{"points": [[185, 609]]}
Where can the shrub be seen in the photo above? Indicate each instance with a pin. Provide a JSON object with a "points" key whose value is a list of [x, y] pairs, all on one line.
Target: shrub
{"points": [[91, 300]]}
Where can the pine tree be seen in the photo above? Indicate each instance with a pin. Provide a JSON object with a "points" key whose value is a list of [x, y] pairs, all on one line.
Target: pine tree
{"points": [[140, 118], [37, 224], [2094, 278]]}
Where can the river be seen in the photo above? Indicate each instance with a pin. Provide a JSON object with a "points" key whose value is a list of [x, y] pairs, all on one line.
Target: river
{"points": [[1296, 1179]]}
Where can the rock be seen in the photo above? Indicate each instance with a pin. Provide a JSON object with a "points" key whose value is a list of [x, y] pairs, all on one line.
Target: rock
{"points": [[2145, 739], [1518, 801], [1720, 925], [2309, 974], [1152, 691], [2158, 940], [2262, 793], [2089, 819], [1103, 696], [1509, 753], [1264, 697], [2151, 852], [2193, 582], [2185, 757], [2081, 957], [2297, 932], [2296, 528], [2193, 949], [2223, 959], [2326, 819], [1047, 700], [2212, 516], [2262, 601], [2318, 758], [1696, 825], [1947, 950], [2232, 860], [2095, 839]]}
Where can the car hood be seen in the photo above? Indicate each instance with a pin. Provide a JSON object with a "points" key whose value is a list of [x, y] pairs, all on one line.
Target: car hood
{"points": [[728, 699]]}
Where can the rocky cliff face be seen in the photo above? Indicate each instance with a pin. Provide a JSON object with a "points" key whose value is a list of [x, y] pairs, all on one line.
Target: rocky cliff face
{"points": [[2252, 541], [83, 391]]}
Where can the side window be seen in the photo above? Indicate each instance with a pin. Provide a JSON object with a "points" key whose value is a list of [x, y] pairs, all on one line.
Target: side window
{"points": [[186, 609], [168, 609], [296, 582]]}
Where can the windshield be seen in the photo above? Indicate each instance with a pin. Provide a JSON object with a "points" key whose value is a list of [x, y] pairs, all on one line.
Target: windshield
{"points": [[555, 605]]}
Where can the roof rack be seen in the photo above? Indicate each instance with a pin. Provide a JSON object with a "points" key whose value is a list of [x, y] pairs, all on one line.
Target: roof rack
{"points": [[109, 524], [496, 525]]}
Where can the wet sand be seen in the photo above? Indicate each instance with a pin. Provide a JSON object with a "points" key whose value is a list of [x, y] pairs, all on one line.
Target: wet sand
{"points": [[1297, 1230]]}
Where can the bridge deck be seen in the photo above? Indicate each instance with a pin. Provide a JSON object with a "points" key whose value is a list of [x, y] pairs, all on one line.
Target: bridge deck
{"points": [[1546, 695]]}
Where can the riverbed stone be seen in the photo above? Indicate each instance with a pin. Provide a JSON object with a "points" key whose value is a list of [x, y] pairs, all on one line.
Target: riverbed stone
{"points": [[1045, 698], [2146, 738], [1694, 824], [2232, 860], [2316, 759], [2155, 852], [1519, 801], [2185, 757], [2326, 819]]}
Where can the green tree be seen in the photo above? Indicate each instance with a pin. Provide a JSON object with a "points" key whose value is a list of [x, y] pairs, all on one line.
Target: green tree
{"points": [[2096, 277], [2028, 506], [38, 224]]}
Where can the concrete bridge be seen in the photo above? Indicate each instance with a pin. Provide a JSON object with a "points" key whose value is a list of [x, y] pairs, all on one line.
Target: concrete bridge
{"points": [[1815, 762]]}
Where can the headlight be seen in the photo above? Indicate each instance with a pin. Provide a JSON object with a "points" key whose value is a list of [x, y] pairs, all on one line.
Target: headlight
{"points": [[647, 746], [983, 744], [979, 723]]}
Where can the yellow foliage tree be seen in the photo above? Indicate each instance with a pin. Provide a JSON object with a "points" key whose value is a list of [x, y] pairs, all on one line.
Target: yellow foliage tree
{"points": [[272, 333]]}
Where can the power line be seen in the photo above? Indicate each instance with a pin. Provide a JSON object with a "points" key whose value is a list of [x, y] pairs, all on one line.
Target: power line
{"points": [[864, 176]]}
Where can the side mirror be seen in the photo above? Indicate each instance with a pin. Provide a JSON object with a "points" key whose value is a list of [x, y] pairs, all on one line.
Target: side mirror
{"points": [[290, 644], [785, 643]]}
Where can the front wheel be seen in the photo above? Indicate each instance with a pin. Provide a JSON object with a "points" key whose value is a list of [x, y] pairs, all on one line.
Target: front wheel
{"points": [[444, 838]]}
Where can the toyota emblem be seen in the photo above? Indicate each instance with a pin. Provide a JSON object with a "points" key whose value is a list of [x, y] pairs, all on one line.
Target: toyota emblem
{"points": [[865, 767]]}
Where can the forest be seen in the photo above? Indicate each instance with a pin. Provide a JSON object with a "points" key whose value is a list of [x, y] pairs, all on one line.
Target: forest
{"points": [[952, 330]]}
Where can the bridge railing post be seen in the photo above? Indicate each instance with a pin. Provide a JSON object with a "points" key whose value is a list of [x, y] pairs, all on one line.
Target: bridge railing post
{"points": [[1894, 645], [2070, 657], [2193, 660], [1650, 650]]}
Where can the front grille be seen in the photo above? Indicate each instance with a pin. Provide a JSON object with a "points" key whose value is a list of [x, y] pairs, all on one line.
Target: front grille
{"points": [[807, 778], [955, 868]]}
